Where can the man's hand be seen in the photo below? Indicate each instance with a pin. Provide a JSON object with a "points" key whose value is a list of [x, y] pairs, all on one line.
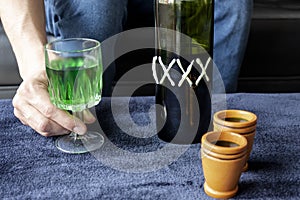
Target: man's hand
{"points": [[24, 23], [33, 107]]}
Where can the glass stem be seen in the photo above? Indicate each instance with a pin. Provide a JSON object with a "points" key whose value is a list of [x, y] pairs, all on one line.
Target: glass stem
{"points": [[79, 115]]}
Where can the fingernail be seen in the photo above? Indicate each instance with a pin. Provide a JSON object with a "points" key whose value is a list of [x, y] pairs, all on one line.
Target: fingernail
{"points": [[79, 130]]}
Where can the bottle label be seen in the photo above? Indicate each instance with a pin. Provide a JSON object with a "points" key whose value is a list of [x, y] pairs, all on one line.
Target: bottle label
{"points": [[166, 69]]}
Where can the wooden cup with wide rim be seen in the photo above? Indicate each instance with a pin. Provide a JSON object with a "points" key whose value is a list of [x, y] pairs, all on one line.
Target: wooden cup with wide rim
{"points": [[223, 157]]}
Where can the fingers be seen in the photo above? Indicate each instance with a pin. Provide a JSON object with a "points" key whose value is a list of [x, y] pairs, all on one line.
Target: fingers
{"points": [[41, 124], [33, 107], [60, 117]]}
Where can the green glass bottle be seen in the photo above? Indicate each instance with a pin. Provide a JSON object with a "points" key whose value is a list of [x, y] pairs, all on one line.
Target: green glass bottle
{"points": [[184, 34]]}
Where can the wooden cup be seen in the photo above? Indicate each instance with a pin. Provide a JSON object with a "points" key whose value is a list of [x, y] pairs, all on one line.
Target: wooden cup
{"points": [[235, 118], [237, 121], [223, 157]]}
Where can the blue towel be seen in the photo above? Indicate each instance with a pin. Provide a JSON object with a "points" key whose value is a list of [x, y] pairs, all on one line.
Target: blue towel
{"points": [[32, 168]]}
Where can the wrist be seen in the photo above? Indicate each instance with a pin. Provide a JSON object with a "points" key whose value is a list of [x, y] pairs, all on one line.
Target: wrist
{"points": [[39, 74], [31, 63]]}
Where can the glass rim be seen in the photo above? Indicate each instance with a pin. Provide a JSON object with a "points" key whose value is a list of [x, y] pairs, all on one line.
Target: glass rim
{"points": [[97, 44]]}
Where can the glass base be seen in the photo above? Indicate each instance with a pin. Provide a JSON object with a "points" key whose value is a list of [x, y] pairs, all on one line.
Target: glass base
{"points": [[77, 144]]}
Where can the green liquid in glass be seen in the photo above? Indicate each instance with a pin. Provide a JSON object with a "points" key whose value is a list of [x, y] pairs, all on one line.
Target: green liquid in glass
{"points": [[74, 83]]}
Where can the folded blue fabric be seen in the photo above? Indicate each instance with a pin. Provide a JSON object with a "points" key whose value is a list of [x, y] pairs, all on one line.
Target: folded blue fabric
{"points": [[32, 168]]}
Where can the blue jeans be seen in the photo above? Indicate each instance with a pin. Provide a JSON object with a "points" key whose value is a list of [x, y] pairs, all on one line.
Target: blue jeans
{"points": [[100, 19], [97, 19], [232, 25]]}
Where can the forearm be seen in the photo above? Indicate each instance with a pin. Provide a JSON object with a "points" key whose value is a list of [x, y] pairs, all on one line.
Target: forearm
{"points": [[24, 23]]}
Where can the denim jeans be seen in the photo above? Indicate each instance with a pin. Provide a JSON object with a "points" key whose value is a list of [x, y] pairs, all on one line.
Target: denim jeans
{"points": [[96, 19], [100, 19], [232, 25]]}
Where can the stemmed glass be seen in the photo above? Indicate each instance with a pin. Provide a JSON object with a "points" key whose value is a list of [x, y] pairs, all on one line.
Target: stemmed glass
{"points": [[74, 70]]}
